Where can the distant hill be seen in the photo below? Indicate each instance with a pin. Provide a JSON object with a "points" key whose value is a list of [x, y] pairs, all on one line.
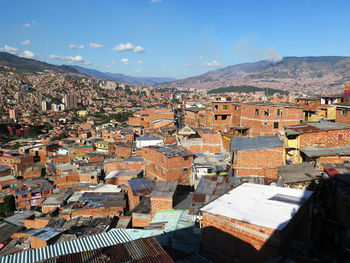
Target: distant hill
{"points": [[325, 74], [246, 89], [120, 77], [31, 65]]}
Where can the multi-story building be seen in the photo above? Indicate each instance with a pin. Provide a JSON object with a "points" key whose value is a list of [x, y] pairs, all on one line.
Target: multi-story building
{"points": [[167, 163], [70, 101]]}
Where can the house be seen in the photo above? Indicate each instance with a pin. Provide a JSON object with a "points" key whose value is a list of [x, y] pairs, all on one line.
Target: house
{"points": [[167, 163], [323, 134], [257, 156], [121, 177], [255, 220], [5, 170]]}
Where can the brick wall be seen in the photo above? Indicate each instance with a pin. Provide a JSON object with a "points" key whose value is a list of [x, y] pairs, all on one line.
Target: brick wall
{"points": [[160, 203], [123, 152], [123, 166], [133, 200], [36, 223], [261, 162], [333, 138]]}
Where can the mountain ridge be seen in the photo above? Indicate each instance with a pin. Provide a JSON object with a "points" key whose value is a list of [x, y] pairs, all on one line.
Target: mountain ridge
{"points": [[121, 77], [320, 73]]}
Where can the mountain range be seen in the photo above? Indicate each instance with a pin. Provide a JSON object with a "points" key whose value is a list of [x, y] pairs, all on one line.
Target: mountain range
{"points": [[313, 75], [325, 74], [120, 77]]}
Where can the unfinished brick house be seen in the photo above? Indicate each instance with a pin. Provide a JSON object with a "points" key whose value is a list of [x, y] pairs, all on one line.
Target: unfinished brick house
{"points": [[17, 162], [260, 119], [167, 163], [238, 227], [314, 135], [258, 156], [200, 140]]}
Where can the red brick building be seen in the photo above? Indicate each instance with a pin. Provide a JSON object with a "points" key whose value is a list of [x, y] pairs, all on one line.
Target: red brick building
{"points": [[253, 222], [258, 156], [314, 135], [260, 119], [17, 162], [167, 163]]}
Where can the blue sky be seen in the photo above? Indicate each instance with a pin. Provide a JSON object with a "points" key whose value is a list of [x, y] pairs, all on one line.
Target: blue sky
{"points": [[172, 38]]}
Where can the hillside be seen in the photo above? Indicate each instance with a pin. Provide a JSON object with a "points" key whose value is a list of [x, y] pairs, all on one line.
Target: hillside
{"points": [[246, 89], [120, 77], [301, 74], [31, 65]]}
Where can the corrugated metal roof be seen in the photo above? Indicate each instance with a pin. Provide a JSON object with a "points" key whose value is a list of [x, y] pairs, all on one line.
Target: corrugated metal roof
{"points": [[317, 152], [164, 189], [141, 186], [113, 237], [256, 143], [142, 250]]}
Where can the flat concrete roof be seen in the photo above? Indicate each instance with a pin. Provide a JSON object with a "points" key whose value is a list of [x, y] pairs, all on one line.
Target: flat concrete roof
{"points": [[262, 205]]}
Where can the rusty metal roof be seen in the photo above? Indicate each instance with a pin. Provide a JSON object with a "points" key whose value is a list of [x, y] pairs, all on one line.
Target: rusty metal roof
{"points": [[141, 186], [137, 251]]}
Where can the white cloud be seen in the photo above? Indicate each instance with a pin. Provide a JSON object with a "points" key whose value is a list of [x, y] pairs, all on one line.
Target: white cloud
{"points": [[139, 70], [201, 57], [139, 62], [156, 1], [113, 62], [213, 63], [125, 61], [273, 56], [139, 49], [124, 47], [128, 47], [9, 49], [70, 59], [95, 45], [28, 54], [27, 25], [108, 66], [76, 46], [26, 42]]}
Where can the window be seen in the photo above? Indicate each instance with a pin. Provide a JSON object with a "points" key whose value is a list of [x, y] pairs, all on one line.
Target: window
{"points": [[147, 162], [236, 107], [225, 107], [185, 170], [279, 112], [267, 112], [154, 155], [155, 167], [216, 117], [92, 177], [256, 111], [298, 101], [275, 125], [185, 158], [163, 159], [216, 107], [344, 112], [340, 136], [306, 102], [24, 196], [224, 117], [163, 171], [265, 123]]}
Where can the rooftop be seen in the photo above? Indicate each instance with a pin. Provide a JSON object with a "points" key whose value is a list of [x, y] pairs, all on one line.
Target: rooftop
{"points": [[314, 127], [164, 189], [296, 173], [141, 186], [263, 205], [171, 150], [148, 138], [255, 143]]}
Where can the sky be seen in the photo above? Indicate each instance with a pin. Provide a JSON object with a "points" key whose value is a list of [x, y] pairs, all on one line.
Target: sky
{"points": [[172, 38]]}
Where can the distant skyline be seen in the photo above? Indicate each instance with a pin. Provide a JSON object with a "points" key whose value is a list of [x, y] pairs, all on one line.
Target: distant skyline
{"points": [[172, 38]]}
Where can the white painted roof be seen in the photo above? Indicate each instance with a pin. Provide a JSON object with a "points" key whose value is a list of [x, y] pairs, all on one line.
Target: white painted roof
{"points": [[257, 204]]}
